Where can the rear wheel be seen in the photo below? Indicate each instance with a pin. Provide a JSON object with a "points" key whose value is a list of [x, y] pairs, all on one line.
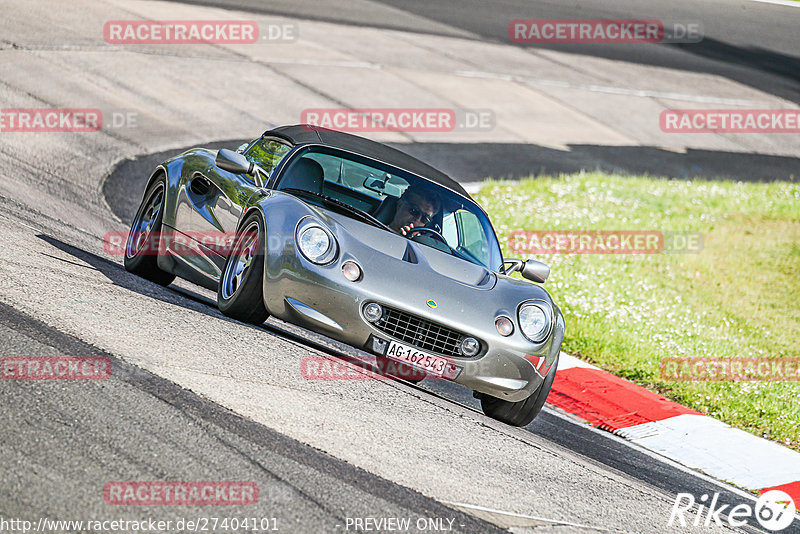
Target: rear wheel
{"points": [[240, 294], [141, 249], [523, 412]]}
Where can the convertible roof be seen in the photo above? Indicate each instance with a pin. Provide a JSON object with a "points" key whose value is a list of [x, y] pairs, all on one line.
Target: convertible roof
{"points": [[299, 134]]}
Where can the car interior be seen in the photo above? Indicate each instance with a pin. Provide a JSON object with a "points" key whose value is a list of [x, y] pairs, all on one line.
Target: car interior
{"points": [[377, 193]]}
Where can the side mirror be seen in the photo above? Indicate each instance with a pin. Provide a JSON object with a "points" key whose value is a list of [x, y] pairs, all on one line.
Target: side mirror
{"points": [[236, 163], [533, 270], [233, 162]]}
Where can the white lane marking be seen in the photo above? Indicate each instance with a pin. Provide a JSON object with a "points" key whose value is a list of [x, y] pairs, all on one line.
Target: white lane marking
{"points": [[788, 3], [473, 187], [523, 516], [567, 361], [31, 227], [724, 452], [323, 63], [613, 90], [643, 93], [656, 456], [704, 443]]}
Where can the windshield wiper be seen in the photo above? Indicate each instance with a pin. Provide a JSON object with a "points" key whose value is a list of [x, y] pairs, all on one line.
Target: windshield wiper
{"points": [[330, 201]]}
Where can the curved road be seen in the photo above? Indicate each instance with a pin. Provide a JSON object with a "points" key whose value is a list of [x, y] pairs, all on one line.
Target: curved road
{"points": [[196, 396], [751, 42]]}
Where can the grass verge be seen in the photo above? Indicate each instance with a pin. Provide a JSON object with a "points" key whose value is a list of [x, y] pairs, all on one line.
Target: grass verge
{"points": [[737, 297]]}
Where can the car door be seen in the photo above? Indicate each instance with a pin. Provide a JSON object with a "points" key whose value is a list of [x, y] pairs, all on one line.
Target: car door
{"points": [[218, 199]]}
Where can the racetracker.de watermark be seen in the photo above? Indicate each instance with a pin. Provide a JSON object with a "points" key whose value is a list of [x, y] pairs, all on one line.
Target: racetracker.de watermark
{"points": [[180, 243], [321, 368], [730, 369], [603, 242], [133, 32], [55, 368], [730, 121], [180, 493], [603, 31], [399, 119], [60, 120], [50, 120]]}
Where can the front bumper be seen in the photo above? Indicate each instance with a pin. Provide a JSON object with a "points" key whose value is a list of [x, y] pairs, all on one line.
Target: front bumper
{"points": [[321, 299]]}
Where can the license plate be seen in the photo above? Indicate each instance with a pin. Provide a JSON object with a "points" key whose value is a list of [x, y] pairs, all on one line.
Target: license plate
{"points": [[435, 365]]}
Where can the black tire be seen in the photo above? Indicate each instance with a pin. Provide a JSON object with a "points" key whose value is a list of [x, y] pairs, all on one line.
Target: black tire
{"points": [[141, 251], [240, 295], [523, 412]]}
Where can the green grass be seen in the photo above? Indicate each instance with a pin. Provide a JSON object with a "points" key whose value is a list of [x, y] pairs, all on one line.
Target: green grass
{"points": [[738, 297]]}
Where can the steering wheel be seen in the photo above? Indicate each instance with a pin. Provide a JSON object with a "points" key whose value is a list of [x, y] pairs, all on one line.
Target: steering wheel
{"points": [[431, 231], [439, 237]]}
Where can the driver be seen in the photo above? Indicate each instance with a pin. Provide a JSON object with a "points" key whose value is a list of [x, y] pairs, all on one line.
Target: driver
{"points": [[416, 207]]}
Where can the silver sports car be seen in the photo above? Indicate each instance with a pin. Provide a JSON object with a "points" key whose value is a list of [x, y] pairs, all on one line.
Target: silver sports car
{"points": [[362, 243]]}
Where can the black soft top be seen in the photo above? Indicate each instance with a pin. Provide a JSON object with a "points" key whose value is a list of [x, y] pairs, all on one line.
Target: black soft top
{"points": [[300, 134]]}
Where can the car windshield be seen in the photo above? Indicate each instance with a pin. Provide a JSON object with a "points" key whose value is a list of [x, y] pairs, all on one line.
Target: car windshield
{"points": [[393, 200]]}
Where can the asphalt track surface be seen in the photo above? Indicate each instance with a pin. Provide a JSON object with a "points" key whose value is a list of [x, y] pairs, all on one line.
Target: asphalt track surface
{"points": [[81, 434], [129, 178], [763, 55], [731, 48], [60, 439]]}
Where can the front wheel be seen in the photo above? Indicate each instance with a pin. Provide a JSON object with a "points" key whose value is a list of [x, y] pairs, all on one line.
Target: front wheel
{"points": [[141, 249], [523, 412], [240, 294]]}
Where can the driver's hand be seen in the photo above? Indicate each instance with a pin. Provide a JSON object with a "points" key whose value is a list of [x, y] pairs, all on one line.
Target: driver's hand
{"points": [[406, 229]]}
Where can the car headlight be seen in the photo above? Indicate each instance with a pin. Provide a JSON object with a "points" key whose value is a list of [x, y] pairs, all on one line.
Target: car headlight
{"points": [[534, 321], [316, 243]]}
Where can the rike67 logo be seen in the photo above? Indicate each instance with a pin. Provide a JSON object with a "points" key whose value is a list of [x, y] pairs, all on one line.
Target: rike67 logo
{"points": [[774, 510]]}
